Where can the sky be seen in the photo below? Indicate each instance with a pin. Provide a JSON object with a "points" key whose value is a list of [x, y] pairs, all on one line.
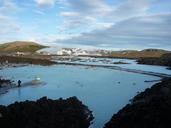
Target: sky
{"points": [[106, 24]]}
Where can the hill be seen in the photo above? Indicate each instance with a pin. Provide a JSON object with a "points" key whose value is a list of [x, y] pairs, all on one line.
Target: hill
{"points": [[20, 46], [137, 54], [164, 60]]}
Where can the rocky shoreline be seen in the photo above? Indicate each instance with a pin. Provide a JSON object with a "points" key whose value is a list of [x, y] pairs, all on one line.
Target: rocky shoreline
{"points": [[5, 60], [46, 113], [164, 60], [149, 109], [161, 75], [6, 84]]}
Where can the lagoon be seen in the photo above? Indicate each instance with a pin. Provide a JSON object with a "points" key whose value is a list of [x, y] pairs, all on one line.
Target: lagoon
{"points": [[104, 91]]}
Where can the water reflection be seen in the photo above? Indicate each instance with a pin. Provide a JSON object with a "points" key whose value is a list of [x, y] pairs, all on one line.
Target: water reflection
{"points": [[19, 93]]}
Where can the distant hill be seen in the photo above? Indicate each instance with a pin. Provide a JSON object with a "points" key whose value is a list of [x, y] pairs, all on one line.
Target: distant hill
{"points": [[164, 60], [20, 46], [137, 54], [154, 50]]}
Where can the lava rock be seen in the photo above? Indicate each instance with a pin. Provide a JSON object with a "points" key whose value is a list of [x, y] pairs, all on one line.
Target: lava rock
{"points": [[149, 109], [46, 113]]}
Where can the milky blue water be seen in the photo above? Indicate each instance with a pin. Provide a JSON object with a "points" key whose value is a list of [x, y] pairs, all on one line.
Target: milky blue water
{"points": [[98, 88], [132, 64]]}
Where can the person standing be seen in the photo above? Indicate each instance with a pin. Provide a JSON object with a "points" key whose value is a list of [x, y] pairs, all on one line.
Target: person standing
{"points": [[19, 83]]}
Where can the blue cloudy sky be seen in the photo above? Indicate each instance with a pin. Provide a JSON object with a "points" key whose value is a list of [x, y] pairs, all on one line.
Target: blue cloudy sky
{"points": [[109, 24]]}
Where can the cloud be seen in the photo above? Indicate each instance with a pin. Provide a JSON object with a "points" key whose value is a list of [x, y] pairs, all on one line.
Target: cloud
{"points": [[3, 17], [100, 8], [76, 22], [45, 3], [83, 15], [137, 32], [88, 15], [39, 12], [130, 8], [115, 26], [7, 6], [10, 27], [97, 7], [8, 23], [94, 23], [69, 14]]}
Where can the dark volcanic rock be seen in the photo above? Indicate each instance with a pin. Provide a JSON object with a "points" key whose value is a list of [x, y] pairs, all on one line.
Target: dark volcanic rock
{"points": [[25, 60], [46, 113], [149, 109], [164, 60], [4, 81]]}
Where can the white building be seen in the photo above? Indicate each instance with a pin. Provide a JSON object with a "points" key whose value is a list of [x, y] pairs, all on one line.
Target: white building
{"points": [[64, 52], [76, 52]]}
